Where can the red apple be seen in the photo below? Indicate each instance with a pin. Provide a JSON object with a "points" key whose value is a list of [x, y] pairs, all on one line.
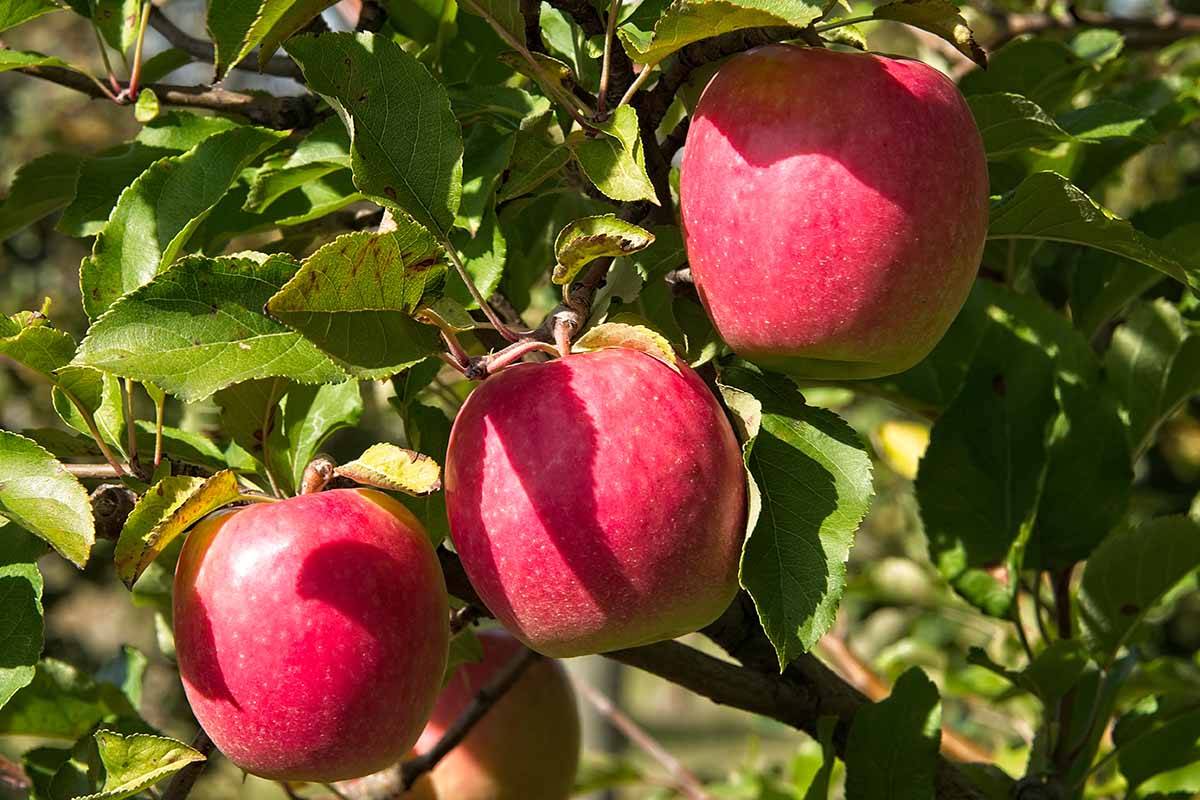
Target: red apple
{"points": [[527, 745], [834, 209], [597, 501], [311, 633]]}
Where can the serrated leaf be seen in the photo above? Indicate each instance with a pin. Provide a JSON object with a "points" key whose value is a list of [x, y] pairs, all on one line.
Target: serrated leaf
{"points": [[892, 750], [61, 703], [1047, 206], [1154, 366], [199, 327], [615, 162], [158, 212], [410, 162], [40, 188], [38, 494], [813, 476], [1044, 70], [324, 150], [19, 59], [395, 469], [134, 763], [632, 337], [227, 23], [357, 296], [306, 417], [84, 397], [21, 598], [30, 341], [1128, 573], [147, 106], [584, 240], [101, 181], [166, 510], [505, 106], [1161, 738], [940, 17], [446, 313], [687, 21], [15, 12], [536, 157], [505, 13]]}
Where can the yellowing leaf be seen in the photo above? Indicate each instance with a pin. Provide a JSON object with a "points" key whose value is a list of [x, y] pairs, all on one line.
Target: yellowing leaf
{"points": [[584, 240], [901, 445], [394, 468], [633, 337]]}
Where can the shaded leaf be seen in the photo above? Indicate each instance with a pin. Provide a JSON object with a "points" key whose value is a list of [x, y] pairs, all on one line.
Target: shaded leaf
{"points": [[21, 628], [687, 21], [131, 764], [40, 188], [15, 12], [893, 746], [61, 703], [394, 468], [939, 17]]}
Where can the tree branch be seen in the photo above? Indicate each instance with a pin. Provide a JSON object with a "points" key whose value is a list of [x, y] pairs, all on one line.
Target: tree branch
{"points": [[201, 50], [1139, 33], [281, 113], [806, 691]]}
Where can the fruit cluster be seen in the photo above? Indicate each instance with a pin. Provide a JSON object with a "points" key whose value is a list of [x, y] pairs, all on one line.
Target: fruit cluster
{"points": [[834, 208]]}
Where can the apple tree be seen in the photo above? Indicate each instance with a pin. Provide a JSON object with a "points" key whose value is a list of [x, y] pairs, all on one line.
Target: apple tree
{"points": [[623, 322]]}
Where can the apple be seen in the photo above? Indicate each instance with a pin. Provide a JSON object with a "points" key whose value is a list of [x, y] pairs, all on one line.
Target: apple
{"points": [[597, 501], [834, 209], [311, 633], [527, 745]]}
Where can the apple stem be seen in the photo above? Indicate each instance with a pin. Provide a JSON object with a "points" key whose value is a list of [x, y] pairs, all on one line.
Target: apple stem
{"points": [[476, 295], [685, 782], [317, 474], [563, 328], [112, 76], [135, 74], [484, 366], [642, 77], [605, 64]]}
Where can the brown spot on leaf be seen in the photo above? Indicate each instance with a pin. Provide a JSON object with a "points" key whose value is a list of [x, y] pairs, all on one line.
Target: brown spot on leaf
{"points": [[390, 192]]}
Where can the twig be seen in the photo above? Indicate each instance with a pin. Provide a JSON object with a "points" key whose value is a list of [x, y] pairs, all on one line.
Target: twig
{"points": [[847, 664], [181, 785], [685, 781], [484, 366], [130, 429], [108, 70], [281, 113], [135, 74], [614, 11], [1140, 33], [476, 295], [201, 50], [87, 471], [1061, 583]]}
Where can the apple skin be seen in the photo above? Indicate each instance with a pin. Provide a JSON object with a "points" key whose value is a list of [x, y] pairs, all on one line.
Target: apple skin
{"points": [[527, 745], [597, 501], [834, 207], [311, 633]]}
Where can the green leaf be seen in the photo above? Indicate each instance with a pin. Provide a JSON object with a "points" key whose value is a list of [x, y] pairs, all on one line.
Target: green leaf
{"points": [[981, 478], [687, 21], [157, 214], [61, 703], [485, 158], [893, 746], [1130, 572], [1098, 45], [410, 161], [1010, 124], [180, 130], [277, 20], [536, 157], [427, 430], [465, 648], [484, 255], [308, 415], [1047, 206], [1055, 670], [505, 13], [585, 240], [395, 469], [199, 327], [1157, 740], [18, 59], [1154, 365], [818, 788], [163, 63], [356, 297], [15, 12], [132, 764], [28, 339], [1044, 70], [326, 149], [21, 598], [84, 397], [615, 162], [117, 21], [1107, 119], [814, 477], [507, 107], [939, 17], [147, 107], [126, 671], [38, 494], [166, 510], [228, 22], [40, 188]]}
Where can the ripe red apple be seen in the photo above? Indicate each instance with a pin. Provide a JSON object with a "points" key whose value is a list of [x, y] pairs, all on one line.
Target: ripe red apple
{"points": [[597, 501], [834, 209], [527, 745], [311, 633]]}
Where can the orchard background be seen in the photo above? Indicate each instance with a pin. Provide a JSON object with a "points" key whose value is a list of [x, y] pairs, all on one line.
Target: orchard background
{"points": [[992, 555]]}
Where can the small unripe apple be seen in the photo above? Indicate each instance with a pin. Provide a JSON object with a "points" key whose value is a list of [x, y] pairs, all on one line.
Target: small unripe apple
{"points": [[597, 501], [834, 209], [527, 745], [311, 633]]}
